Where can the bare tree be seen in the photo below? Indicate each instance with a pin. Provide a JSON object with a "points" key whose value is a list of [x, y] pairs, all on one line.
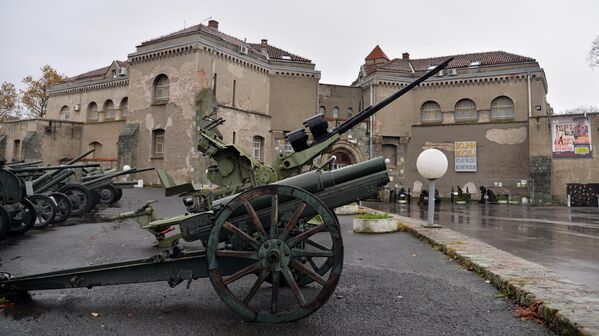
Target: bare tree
{"points": [[593, 58], [9, 101], [35, 97], [582, 109]]}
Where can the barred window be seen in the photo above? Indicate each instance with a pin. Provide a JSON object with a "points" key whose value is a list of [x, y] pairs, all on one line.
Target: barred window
{"points": [[322, 110], [502, 108], [92, 111], [465, 110], [336, 112], [161, 88], [350, 112], [158, 142], [109, 110], [430, 112], [258, 147], [64, 113]]}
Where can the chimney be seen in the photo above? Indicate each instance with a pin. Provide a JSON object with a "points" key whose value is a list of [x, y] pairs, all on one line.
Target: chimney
{"points": [[264, 42], [405, 56], [213, 24]]}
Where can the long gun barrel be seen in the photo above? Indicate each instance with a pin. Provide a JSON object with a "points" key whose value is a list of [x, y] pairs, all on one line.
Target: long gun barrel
{"points": [[80, 156], [21, 164], [318, 124], [57, 168], [105, 177]]}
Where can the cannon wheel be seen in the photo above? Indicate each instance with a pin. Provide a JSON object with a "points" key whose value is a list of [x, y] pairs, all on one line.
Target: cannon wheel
{"points": [[63, 207], [119, 194], [108, 194], [45, 209], [22, 218], [4, 222], [279, 254], [81, 198]]}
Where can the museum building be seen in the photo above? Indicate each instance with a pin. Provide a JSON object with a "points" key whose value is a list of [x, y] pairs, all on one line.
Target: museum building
{"points": [[486, 111]]}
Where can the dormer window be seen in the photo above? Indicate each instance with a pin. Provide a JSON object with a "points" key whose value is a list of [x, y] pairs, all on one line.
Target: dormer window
{"points": [[286, 57], [474, 64], [431, 67]]}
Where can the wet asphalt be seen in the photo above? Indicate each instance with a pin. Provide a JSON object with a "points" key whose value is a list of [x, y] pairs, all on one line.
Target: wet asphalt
{"points": [[392, 284], [565, 240]]}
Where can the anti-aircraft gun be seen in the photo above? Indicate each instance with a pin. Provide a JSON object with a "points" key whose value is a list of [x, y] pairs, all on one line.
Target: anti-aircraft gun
{"points": [[236, 171]]}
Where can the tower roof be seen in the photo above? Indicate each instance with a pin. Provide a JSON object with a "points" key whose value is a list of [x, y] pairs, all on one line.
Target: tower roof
{"points": [[377, 53]]}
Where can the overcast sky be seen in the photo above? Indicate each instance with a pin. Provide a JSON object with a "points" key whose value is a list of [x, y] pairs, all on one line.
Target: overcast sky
{"points": [[78, 36]]}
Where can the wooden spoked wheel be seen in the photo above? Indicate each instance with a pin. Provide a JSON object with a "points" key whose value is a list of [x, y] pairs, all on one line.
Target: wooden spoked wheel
{"points": [[267, 228]]}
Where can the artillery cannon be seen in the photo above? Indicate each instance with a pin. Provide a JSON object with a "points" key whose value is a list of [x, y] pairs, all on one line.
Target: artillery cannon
{"points": [[236, 171], [262, 256]]}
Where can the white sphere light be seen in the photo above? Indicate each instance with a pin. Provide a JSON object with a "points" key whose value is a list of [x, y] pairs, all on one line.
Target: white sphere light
{"points": [[126, 167], [431, 164]]}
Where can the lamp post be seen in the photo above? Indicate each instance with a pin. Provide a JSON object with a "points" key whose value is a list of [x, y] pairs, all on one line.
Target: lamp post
{"points": [[431, 164]]}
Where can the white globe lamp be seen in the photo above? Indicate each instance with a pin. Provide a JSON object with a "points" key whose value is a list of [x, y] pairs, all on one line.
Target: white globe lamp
{"points": [[431, 164]]}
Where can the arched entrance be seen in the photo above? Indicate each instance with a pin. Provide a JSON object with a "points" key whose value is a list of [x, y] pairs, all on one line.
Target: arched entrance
{"points": [[342, 159]]}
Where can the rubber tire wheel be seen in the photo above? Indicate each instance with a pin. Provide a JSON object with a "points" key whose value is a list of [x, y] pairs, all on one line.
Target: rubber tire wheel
{"points": [[107, 194], [4, 222], [64, 207], [49, 203], [85, 203], [95, 198], [20, 226], [119, 194]]}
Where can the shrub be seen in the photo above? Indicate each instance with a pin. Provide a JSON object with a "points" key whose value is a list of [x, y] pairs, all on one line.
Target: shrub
{"points": [[374, 216]]}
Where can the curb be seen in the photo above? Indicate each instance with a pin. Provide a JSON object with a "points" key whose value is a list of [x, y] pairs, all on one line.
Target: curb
{"points": [[567, 307]]}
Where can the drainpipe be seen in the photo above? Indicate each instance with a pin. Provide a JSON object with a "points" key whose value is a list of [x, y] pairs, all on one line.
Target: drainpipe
{"points": [[370, 123], [529, 96]]}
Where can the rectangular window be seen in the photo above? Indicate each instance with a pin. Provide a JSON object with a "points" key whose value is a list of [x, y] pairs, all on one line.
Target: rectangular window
{"points": [[158, 143], [258, 148]]}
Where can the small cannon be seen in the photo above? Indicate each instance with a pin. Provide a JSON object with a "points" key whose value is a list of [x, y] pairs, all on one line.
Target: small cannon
{"points": [[264, 257]]}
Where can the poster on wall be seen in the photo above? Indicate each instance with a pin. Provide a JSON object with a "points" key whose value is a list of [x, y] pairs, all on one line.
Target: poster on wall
{"points": [[571, 137], [465, 156]]}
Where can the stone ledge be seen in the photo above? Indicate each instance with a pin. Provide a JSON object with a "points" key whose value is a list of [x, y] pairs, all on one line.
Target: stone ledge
{"points": [[568, 308], [375, 225]]}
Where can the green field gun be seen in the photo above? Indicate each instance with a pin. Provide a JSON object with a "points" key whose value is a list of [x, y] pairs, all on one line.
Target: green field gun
{"points": [[263, 258]]}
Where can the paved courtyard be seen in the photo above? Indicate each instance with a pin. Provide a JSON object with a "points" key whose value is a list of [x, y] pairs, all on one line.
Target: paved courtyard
{"points": [[565, 240], [392, 284]]}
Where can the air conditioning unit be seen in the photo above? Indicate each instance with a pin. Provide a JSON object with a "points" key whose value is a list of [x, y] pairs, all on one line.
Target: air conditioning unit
{"points": [[122, 72], [77, 107], [243, 50], [452, 72]]}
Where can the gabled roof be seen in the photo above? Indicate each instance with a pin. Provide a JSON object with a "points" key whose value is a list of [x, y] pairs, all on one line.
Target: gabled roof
{"points": [[98, 73], [376, 53], [459, 61], [273, 52]]}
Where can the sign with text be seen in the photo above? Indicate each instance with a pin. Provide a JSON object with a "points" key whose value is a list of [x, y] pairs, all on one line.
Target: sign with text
{"points": [[465, 156], [571, 137]]}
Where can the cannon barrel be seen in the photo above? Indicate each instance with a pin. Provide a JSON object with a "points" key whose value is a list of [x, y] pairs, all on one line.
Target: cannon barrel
{"points": [[318, 181], [104, 177], [57, 168], [80, 156], [63, 175], [21, 164]]}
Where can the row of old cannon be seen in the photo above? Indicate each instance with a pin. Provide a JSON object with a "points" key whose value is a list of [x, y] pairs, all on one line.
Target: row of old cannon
{"points": [[33, 195]]}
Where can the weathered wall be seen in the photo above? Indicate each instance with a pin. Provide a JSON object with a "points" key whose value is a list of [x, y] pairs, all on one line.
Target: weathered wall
{"points": [[502, 153], [105, 133], [84, 98], [292, 100], [48, 140], [344, 97]]}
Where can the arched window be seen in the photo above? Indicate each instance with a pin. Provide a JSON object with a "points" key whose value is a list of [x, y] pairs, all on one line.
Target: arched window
{"points": [[258, 148], [390, 152], [465, 110], [97, 147], [502, 108], [350, 112], [108, 110], [16, 150], [322, 110], [92, 111], [161, 88], [124, 107], [64, 113], [341, 160], [158, 142], [336, 112], [430, 112]]}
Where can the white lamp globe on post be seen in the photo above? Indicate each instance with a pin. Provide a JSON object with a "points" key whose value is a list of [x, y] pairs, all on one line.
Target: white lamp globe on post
{"points": [[431, 164]]}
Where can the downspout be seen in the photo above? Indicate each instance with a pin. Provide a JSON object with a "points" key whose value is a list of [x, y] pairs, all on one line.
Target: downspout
{"points": [[370, 123], [529, 96]]}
